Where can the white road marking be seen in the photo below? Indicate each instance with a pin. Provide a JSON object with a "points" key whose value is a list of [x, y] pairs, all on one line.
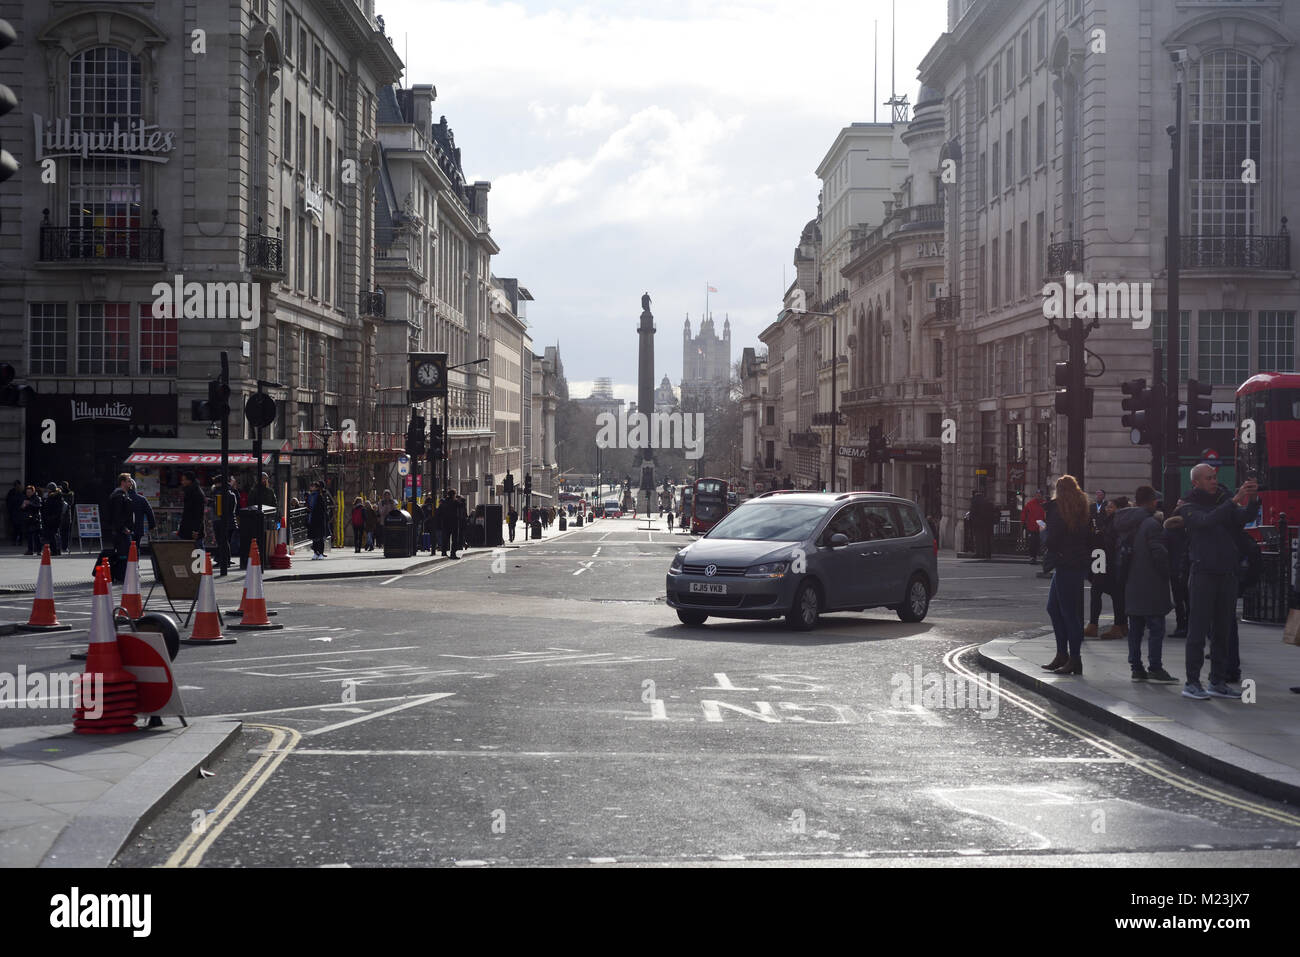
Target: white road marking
{"points": [[596, 553], [310, 707], [585, 566], [326, 638], [389, 581], [425, 699], [305, 654]]}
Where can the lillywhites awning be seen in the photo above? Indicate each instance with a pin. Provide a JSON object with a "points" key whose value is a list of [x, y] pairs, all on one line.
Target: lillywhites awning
{"points": [[195, 458]]}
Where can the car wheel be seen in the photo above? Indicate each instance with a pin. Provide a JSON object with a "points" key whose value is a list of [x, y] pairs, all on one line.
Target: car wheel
{"points": [[917, 600], [692, 618], [807, 606]]}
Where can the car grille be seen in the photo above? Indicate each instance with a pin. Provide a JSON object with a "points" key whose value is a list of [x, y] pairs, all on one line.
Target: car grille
{"points": [[717, 601], [724, 571]]}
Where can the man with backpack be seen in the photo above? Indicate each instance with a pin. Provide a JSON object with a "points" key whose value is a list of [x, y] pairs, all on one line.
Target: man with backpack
{"points": [[1143, 573]]}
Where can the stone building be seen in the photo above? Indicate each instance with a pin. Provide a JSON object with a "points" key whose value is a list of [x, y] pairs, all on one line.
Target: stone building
{"points": [[706, 363]]}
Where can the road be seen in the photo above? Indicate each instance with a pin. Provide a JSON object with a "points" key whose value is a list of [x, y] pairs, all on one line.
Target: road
{"points": [[543, 706]]}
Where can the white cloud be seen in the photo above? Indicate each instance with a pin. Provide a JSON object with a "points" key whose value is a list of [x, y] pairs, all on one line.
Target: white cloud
{"points": [[596, 114]]}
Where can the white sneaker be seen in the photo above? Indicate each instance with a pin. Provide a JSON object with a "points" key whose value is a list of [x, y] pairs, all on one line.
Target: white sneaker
{"points": [[317, 557]]}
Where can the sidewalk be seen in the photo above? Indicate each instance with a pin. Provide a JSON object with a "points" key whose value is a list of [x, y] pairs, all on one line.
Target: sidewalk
{"points": [[1255, 746], [74, 800]]}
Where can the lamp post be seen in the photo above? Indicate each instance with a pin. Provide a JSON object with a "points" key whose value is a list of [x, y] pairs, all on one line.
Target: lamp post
{"points": [[325, 432]]}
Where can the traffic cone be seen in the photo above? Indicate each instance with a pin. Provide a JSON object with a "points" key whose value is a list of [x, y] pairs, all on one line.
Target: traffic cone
{"points": [[254, 603], [132, 603], [105, 683], [43, 617], [207, 620]]}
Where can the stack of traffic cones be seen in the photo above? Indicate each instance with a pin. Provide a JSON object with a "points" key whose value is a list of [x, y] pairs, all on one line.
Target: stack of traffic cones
{"points": [[253, 606], [132, 603], [43, 617], [207, 620], [105, 685]]}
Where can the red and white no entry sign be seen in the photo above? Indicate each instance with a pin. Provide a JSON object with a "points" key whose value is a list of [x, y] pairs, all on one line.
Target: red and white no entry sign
{"points": [[144, 655]]}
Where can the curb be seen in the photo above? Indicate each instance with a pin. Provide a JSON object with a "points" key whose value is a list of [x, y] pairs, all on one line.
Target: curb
{"points": [[1195, 749], [367, 573], [95, 836]]}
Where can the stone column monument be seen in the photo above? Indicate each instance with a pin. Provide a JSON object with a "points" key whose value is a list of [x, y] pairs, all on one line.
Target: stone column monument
{"points": [[645, 402]]}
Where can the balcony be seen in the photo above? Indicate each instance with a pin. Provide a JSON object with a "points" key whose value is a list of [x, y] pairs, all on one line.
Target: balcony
{"points": [[264, 253], [141, 244], [374, 305], [1065, 257], [861, 396], [947, 308], [1210, 251]]}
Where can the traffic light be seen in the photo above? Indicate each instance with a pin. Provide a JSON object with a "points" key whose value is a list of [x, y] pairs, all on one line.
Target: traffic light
{"points": [[875, 444], [218, 399], [437, 447], [8, 102], [1199, 404], [508, 484], [1136, 406], [415, 436], [528, 483], [11, 394], [1067, 401]]}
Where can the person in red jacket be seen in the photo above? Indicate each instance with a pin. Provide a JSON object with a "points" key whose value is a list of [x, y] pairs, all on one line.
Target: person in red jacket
{"points": [[1032, 516]]}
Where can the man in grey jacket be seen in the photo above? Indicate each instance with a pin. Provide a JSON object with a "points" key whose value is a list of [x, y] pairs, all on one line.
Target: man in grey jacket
{"points": [[1140, 537], [1212, 523]]}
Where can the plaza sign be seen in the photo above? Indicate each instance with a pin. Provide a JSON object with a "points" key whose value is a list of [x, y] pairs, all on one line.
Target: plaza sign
{"points": [[58, 138]]}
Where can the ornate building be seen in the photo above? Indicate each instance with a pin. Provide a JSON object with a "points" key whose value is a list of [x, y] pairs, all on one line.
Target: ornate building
{"points": [[706, 363]]}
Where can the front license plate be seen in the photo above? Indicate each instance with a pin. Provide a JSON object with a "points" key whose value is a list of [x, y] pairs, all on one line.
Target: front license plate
{"points": [[708, 589]]}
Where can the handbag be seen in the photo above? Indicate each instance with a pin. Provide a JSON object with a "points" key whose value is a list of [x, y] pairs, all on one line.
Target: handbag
{"points": [[1050, 561], [1291, 634]]}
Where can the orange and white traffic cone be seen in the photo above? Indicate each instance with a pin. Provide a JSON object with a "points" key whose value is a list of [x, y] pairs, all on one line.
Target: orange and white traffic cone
{"points": [[254, 603], [107, 687], [43, 617], [207, 620], [132, 603]]}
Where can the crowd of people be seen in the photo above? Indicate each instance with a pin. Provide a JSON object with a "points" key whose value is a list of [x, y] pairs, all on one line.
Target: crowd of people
{"points": [[1195, 562], [41, 516]]}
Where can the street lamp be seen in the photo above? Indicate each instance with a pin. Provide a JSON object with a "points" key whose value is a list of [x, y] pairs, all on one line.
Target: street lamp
{"points": [[325, 432]]}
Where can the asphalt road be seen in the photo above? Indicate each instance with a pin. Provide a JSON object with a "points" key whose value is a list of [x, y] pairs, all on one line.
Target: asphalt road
{"points": [[543, 706]]}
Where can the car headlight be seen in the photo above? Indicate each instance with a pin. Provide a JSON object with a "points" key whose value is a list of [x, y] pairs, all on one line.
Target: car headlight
{"points": [[767, 570], [676, 566]]}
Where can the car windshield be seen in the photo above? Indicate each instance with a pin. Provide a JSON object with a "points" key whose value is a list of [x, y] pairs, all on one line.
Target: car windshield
{"points": [[771, 522]]}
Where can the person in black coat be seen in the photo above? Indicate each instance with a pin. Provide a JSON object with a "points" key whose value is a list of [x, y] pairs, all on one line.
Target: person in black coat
{"points": [[53, 512], [1067, 552], [65, 530], [318, 519], [192, 505], [14, 503], [31, 519], [1179, 568], [141, 514], [512, 519], [119, 518]]}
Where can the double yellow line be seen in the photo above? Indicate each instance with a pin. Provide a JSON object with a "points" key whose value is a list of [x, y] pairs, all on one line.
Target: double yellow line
{"points": [[1149, 768], [191, 850]]}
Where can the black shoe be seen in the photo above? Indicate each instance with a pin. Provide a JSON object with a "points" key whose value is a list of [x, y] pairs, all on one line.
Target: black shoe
{"points": [[1178, 633], [1056, 662], [1138, 673], [1072, 667], [456, 557]]}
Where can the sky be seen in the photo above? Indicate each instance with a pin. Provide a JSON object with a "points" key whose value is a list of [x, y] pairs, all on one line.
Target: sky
{"points": [[656, 147]]}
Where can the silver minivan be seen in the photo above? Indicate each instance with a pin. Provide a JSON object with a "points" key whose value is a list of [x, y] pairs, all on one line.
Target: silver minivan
{"points": [[798, 555]]}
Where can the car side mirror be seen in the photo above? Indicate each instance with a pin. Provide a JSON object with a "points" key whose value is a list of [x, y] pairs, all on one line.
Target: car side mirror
{"points": [[839, 540]]}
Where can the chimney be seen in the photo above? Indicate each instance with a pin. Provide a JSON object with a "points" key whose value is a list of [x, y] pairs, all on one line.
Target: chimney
{"points": [[423, 95], [480, 190]]}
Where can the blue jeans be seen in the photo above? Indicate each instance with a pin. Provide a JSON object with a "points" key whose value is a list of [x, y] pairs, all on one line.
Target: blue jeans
{"points": [[1065, 606], [1155, 625]]}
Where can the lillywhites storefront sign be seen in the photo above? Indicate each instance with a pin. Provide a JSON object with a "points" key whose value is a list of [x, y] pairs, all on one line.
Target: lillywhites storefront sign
{"points": [[116, 411], [138, 140]]}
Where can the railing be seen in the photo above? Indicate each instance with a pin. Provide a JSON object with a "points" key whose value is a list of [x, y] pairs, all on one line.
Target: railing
{"points": [[1271, 597], [1065, 257], [947, 308], [374, 304], [863, 394], [264, 252], [1210, 251], [930, 213], [127, 243]]}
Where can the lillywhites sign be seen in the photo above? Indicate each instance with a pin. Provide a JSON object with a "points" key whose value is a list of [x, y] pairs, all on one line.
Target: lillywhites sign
{"points": [[138, 140], [116, 411]]}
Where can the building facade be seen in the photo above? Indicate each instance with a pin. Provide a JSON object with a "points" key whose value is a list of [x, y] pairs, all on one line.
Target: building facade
{"points": [[706, 363]]}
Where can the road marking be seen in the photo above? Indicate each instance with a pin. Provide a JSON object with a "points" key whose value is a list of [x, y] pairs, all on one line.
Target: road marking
{"points": [[582, 755], [305, 654], [389, 581], [424, 699], [1151, 768], [191, 850], [596, 553], [584, 567], [310, 707]]}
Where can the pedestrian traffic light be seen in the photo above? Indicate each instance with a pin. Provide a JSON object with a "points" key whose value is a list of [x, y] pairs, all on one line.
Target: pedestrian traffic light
{"points": [[528, 483], [11, 394], [1069, 400], [415, 442], [218, 399], [437, 445], [1199, 404], [875, 444], [508, 483], [8, 102], [1136, 404]]}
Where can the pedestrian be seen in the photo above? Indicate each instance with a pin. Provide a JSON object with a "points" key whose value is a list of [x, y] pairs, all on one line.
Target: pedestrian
{"points": [[1145, 576], [14, 505], [512, 519], [1212, 521], [386, 504], [262, 493], [31, 519], [358, 523], [317, 520], [1104, 581], [1098, 507], [1033, 518], [141, 514], [119, 517], [1179, 568], [461, 523], [65, 530], [192, 505], [1066, 557], [446, 517], [372, 523], [427, 524], [670, 520], [222, 505], [53, 512]]}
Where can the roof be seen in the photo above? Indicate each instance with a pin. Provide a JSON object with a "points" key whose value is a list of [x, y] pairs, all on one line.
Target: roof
{"points": [[820, 498]]}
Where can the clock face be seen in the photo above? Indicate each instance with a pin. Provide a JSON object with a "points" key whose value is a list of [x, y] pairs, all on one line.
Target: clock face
{"points": [[427, 373]]}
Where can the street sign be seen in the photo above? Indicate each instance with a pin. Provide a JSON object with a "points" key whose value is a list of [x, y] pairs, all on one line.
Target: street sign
{"points": [[259, 410], [404, 465], [144, 655]]}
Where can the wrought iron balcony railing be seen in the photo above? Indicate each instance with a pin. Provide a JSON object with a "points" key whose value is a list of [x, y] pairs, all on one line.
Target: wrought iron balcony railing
{"points": [[374, 304], [264, 252], [947, 308], [1065, 257], [1211, 251], [124, 243]]}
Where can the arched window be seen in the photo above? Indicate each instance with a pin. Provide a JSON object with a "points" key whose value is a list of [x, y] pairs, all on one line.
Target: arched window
{"points": [[104, 189], [1223, 107]]}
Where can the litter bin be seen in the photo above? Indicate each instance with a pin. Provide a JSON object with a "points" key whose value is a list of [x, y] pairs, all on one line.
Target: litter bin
{"points": [[564, 522], [537, 528], [398, 530], [254, 522], [577, 520], [492, 517]]}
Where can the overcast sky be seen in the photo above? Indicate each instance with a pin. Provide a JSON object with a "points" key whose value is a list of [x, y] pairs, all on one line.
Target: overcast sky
{"points": [[656, 146]]}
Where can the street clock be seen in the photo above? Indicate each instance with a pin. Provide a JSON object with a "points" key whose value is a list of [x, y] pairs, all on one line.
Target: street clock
{"points": [[428, 375]]}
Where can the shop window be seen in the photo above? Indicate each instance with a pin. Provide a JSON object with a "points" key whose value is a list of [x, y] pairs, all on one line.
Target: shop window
{"points": [[47, 342], [104, 338], [158, 342]]}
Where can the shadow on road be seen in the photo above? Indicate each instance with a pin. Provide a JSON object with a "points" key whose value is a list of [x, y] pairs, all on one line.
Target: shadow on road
{"points": [[830, 630]]}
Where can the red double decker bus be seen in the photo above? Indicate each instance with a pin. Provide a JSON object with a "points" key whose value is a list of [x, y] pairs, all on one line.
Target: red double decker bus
{"points": [[708, 504], [1268, 404]]}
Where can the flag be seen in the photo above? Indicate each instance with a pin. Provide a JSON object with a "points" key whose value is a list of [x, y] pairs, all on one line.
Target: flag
{"points": [[711, 289]]}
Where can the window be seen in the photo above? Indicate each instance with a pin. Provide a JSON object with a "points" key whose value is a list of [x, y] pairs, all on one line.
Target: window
{"points": [[329, 171], [1277, 341], [1040, 30], [981, 283], [1223, 129], [157, 342], [981, 95], [329, 81], [1040, 142], [996, 170], [1024, 257], [47, 343], [332, 368], [338, 154], [937, 369], [982, 183], [1158, 332], [314, 289], [997, 81], [1009, 250], [286, 133], [306, 373], [284, 355], [315, 153], [302, 142], [288, 35], [342, 88], [994, 299], [338, 273], [104, 338], [287, 226], [1024, 146], [302, 48], [1223, 339], [1024, 54], [325, 286], [315, 65], [299, 272], [1076, 9], [1040, 238], [1011, 68], [1011, 158]]}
